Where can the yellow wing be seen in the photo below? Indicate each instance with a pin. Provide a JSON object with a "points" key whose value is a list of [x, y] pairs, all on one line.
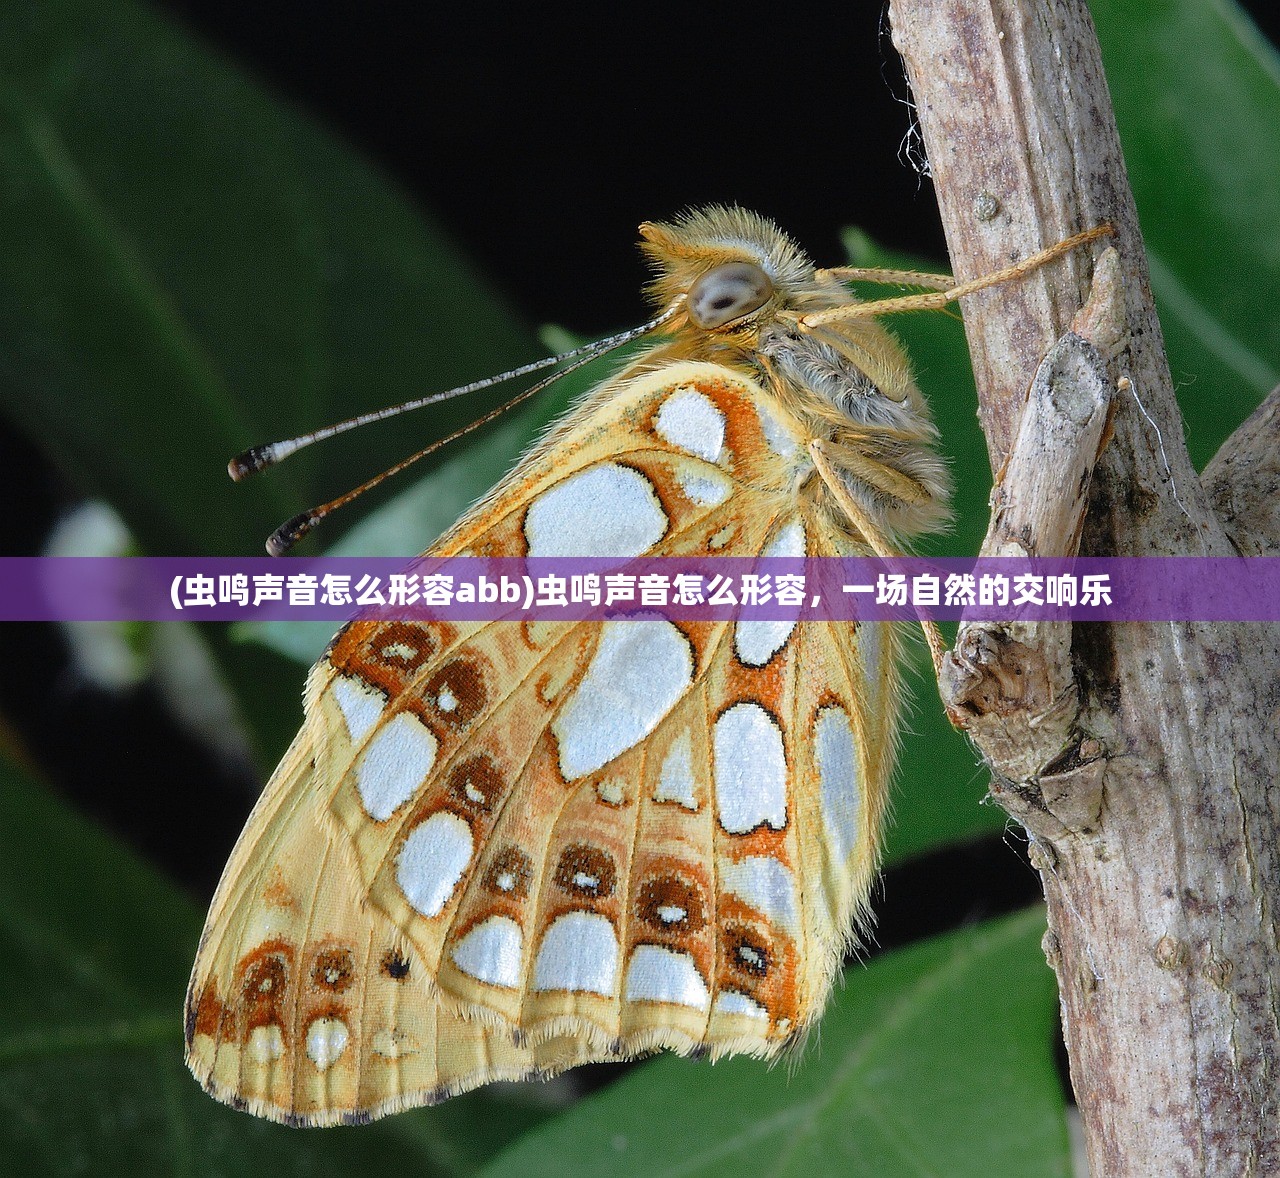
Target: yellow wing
{"points": [[497, 850]]}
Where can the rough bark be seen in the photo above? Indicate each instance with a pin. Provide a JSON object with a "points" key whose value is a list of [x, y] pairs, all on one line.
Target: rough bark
{"points": [[1142, 758], [1243, 482]]}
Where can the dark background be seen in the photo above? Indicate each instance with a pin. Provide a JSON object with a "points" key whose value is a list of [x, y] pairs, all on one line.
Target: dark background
{"points": [[539, 141], [542, 140]]}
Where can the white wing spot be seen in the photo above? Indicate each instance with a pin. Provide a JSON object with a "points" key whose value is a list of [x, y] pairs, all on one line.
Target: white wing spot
{"points": [[492, 952], [656, 974], [505, 881], [608, 510], [704, 490], [579, 952], [734, 1002], [675, 779], [688, 419], [777, 432], [397, 761], [640, 670], [836, 754], [752, 956], [433, 860], [266, 1044], [326, 1041], [756, 642], [361, 705], [446, 701], [871, 655], [610, 791], [789, 542], [671, 913], [763, 883], [750, 769]]}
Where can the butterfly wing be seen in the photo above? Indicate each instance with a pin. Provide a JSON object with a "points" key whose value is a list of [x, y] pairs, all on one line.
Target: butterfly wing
{"points": [[496, 850]]}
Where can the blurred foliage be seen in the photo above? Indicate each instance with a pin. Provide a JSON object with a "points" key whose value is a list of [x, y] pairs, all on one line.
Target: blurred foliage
{"points": [[1197, 97], [190, 266]]}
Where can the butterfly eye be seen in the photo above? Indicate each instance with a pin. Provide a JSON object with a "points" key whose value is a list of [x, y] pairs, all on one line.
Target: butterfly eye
{"points": [[727, 293]]}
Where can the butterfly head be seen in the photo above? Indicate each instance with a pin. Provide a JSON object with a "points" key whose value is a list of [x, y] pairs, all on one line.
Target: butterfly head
{"points": [[734, 269]]}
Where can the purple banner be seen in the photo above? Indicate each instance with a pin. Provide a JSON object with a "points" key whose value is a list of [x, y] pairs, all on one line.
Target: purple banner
{"points": [[1158, 589]]}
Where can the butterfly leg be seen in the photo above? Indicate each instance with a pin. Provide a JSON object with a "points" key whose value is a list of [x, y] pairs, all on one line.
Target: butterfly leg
{"points": [[888, 277], [872, 534], [939, 299]]}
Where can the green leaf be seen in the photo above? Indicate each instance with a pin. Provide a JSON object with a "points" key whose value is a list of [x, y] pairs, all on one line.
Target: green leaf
{"points": [[932, 1060], [193, 268], [97, 948], [1197, 95]]}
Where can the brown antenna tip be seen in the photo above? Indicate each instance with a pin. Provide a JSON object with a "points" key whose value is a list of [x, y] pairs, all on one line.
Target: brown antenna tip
{"points": [[250, 462], [290, 532]]}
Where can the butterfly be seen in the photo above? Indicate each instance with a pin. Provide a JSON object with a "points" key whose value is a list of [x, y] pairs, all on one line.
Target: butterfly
{"points": [[498, 850]]}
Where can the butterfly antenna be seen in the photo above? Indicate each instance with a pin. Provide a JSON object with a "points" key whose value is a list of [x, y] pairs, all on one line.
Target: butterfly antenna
{"points": [[260, 457], [293, 530]]}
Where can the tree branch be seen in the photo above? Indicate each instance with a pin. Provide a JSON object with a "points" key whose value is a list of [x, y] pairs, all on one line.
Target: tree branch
{"points": [[1012, 685], [1243, 482], [1142, 758]]}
